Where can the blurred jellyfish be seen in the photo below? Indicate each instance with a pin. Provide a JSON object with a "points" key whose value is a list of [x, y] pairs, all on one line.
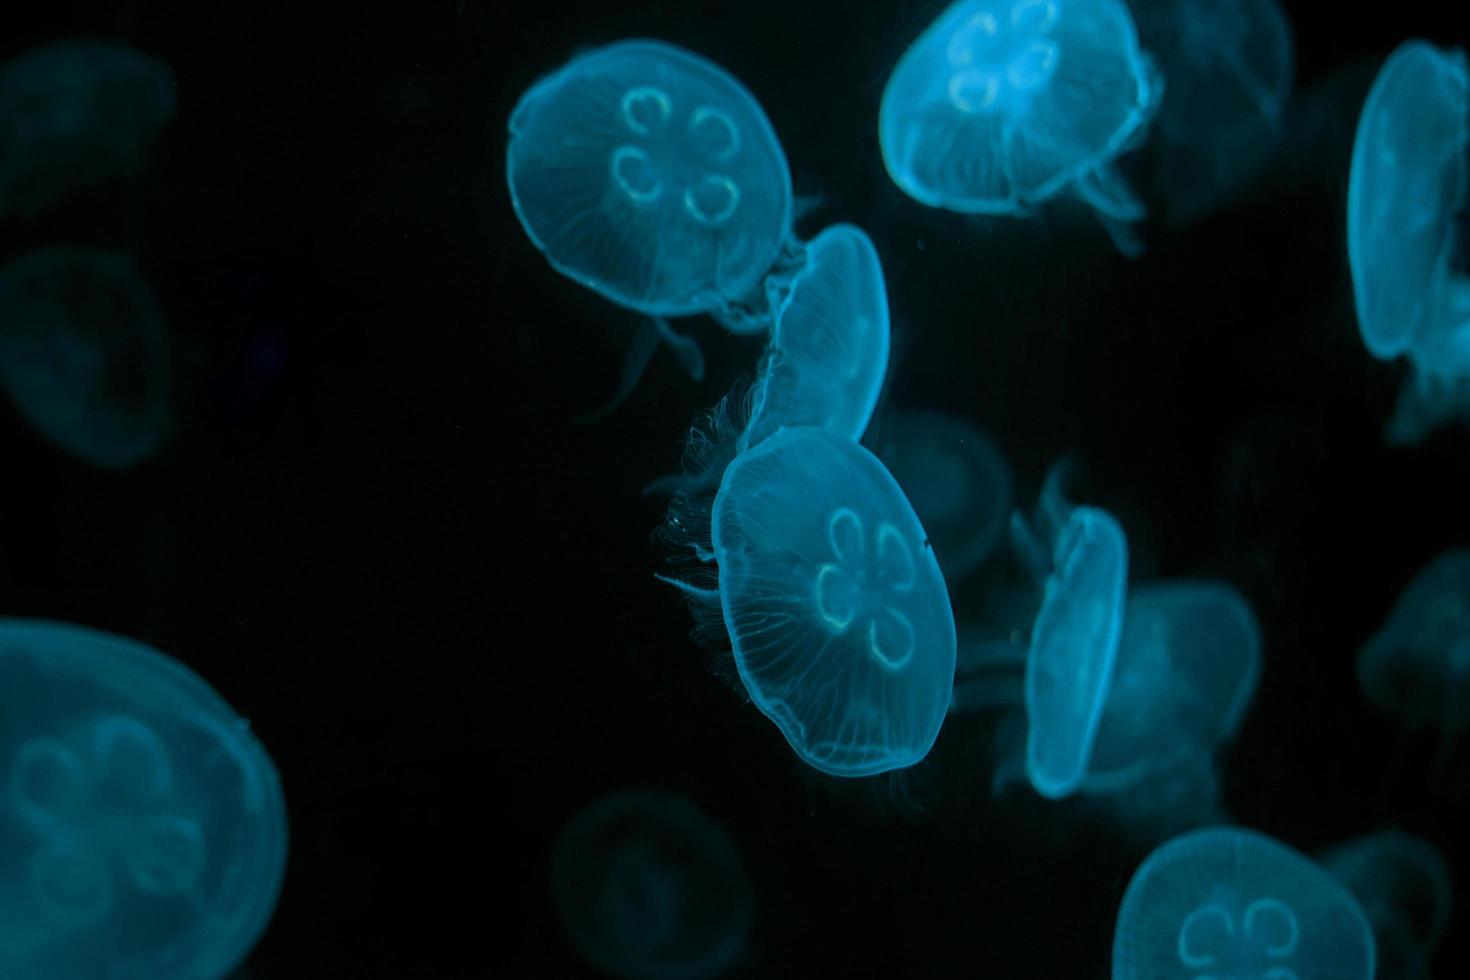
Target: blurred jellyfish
{"points": [[1003, 104], [650, 888], [1406, 194], [75, 113], [1230, 902], [1417, 666], [84, 354], [956, 478], [1228, 67], [1404, 887], [1161, 801], [144, 832]]}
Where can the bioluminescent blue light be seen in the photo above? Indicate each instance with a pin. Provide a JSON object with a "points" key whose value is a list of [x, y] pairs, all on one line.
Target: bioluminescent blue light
{"points": [[650, 888], [1403, 885], [956, 478], [1002, 104], [1162, 801], [1227, 67], [1188, 665], [75, 113], [838, 615], [1230, 902], [651, 175], [828, 351], [143, 832], [84, 354], [1417, 666]]}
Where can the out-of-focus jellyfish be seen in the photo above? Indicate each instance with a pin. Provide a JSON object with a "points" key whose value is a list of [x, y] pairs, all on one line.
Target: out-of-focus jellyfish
{"points": [[1002, 104], [75, 113], [143, 832], [650, 888], [1228, 67], [956, 478], [1230, 902], [1406, 198], [84, 353], [1404, 887], [1417, 666]]}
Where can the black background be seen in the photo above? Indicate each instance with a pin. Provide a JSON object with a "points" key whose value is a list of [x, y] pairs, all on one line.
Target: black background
{"points": [[380, 535]]}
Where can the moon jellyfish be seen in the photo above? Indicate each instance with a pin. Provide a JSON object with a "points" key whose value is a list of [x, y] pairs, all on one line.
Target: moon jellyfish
{"points": [[956, 478], [1230, 902], [1003, 104], [84, 354], [75, 113], [1417, 666], [143, 831], [651, 888], [1404, 887], [1228, 65], [838, 616], [1406, 193]]}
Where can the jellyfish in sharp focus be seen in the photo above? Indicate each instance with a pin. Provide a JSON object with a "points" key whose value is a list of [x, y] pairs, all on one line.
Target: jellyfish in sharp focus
{"points": [[1403, 885], [1002, 104], [75, 113], [144, 832], [650, 888], [1406, 201], [1231, 902], [84, 354]]}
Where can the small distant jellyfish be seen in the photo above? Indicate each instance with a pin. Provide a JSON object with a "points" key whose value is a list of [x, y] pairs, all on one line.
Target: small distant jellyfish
{"points": [[75, 113], [650, 888], [1001, 105], [1406, 200], [1417, 666], [1229, 902], [957, 479], [84, 354], [1403, 885], [143, 831]]}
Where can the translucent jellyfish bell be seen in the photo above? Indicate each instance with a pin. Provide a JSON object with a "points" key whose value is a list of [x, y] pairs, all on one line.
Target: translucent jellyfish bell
{"points": [[651, 888], [838, 615], [1230, 902], [1417, 666], [142, 831], [1002, 104], [1404, 887], [84, 353], [649, 174]]}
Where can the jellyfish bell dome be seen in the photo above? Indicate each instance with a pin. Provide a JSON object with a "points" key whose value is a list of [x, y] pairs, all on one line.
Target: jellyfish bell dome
{"points": [[837, 613], [652, 176], [143, 830], [1230, 902]]}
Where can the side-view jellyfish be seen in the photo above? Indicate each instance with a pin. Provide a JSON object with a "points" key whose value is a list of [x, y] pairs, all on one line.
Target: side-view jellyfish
{"points": [[1406, 196], [1230, 902], [1002, 104], [84, 354], [650, 888], [75, 113], [1404, 887], [143, 832], [955, 476]]}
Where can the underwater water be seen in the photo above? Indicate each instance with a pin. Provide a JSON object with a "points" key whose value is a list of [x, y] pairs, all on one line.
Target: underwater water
{"points": [[420, 438]]}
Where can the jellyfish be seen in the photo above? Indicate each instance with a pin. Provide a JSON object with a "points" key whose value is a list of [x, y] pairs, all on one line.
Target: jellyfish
{"points": [[1231, 902], [143, 831], [1406, 198], [75, 113], [1001, 105], [84, 354], [651, 888], [1403, 885], [957, 479], [1228, 67]]}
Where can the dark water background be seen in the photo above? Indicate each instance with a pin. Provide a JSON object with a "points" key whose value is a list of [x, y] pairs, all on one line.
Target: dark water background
{"points": [[380, 535]]}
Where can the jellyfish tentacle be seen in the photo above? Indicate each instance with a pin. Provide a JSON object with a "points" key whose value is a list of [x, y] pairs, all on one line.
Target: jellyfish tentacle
{"points": [[645, 341]]}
